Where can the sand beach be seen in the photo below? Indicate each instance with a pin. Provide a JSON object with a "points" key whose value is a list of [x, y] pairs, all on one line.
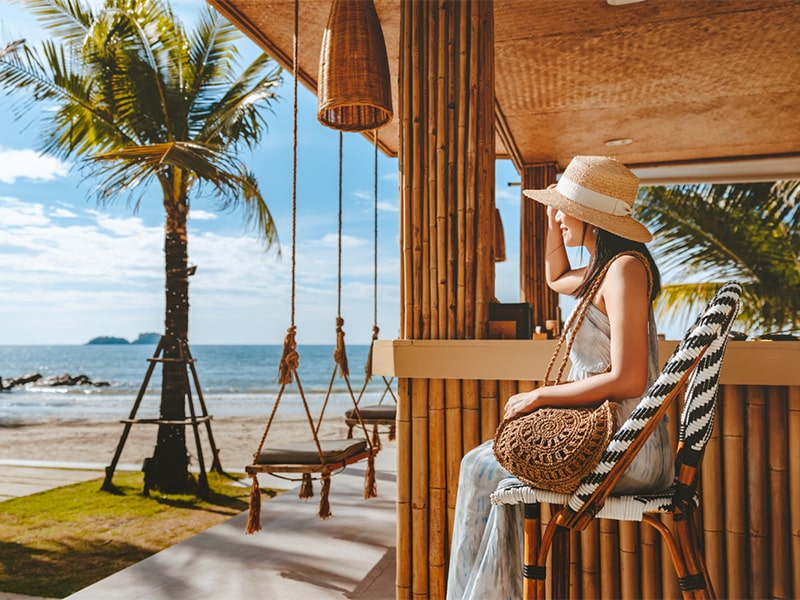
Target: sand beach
{"points": [[95, 441]]}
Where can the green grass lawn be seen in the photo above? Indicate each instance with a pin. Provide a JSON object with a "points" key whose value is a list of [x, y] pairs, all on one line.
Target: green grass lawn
{"points": [[57, 542]]}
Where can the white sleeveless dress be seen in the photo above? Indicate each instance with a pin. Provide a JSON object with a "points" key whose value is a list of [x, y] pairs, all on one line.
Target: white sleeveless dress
{"points": [[486, 550]]}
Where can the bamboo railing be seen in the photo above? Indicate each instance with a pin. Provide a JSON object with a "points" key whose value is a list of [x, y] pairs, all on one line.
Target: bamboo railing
{"points": [[749, 512]]}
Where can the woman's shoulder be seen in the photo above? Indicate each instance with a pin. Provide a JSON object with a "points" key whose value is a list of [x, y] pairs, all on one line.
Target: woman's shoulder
{"points": [[627, 275], [629, 265]]}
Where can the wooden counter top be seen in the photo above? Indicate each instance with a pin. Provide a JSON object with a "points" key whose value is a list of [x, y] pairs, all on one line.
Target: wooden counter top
{"points": [[746, 362]]}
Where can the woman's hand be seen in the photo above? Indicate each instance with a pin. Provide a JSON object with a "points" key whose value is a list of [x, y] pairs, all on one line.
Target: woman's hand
{"points": [[522, 403]]}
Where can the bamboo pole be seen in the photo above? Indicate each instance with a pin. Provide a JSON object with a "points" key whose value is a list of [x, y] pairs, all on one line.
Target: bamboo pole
{"points": [[629, 563], [609, 566], [420, 514], [454, 163], [404, 164], [404, 457], [437, 484], [651, 562], [470, 391], [470, 45], [793, 402], [574, 566], [780, 546], [462, 189], [428, 161], [454, 447], [489, 413], [533, 227], [735, 491], [757, 492], [712, 501], [439, 145], [590, 560], [485, 146]]}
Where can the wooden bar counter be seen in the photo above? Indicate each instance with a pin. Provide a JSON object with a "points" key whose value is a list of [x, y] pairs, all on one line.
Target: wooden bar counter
{"points": [[451, 396]]}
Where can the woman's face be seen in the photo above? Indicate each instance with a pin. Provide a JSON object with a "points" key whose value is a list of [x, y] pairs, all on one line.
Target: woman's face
{"points": [[572, 230]]}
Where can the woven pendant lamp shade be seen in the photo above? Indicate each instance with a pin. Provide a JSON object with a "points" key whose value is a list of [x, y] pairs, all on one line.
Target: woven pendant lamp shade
{"points": [[354, 92]]}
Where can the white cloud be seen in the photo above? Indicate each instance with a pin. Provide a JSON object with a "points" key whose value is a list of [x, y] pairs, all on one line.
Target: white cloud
{"points": [[29, 164], [63, 213], [201, 215], [15, 213], [387, 206]]}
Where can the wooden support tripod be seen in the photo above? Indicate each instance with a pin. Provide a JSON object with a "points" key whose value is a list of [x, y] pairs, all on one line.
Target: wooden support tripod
{"points": [[194, 419]]}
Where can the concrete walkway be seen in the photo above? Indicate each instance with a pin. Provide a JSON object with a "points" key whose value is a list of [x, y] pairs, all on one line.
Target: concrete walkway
{"points": [[296, 555]]}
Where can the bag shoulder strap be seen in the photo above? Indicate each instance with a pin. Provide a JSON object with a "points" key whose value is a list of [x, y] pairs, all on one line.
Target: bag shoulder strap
{"points": [[576, 318]]}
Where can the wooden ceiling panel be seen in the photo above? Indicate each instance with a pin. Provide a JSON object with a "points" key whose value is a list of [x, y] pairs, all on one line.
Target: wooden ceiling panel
{"points": [[689, 81]]}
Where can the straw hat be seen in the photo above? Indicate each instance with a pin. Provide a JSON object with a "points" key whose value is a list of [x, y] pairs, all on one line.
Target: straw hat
{"points": [[600, 191]]}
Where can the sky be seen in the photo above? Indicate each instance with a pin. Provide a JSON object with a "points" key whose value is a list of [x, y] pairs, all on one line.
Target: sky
{"points": [[71, 270]]}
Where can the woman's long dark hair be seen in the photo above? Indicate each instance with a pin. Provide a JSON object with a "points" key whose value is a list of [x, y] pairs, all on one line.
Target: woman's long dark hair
{"points": [[607, 247]]}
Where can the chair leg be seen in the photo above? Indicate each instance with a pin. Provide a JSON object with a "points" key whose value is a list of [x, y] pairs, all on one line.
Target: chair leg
{"points": [[692, 576], [560, 563], [532, 540], [696, 582], [539, 569]]}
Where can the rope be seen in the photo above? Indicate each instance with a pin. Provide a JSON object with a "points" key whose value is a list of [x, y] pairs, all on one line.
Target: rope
{"points": [[295, 53]]}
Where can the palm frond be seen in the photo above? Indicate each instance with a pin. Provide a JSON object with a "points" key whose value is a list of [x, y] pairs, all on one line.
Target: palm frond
{"points": [[126, 169], [713, 233], [69, 20]]}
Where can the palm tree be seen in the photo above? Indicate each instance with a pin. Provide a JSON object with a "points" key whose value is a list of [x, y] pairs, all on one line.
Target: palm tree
{"points": [[138, 100], [707, 234]]}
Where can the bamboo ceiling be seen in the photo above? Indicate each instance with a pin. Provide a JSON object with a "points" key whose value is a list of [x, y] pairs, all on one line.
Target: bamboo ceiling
{"points": [[693, 83]]}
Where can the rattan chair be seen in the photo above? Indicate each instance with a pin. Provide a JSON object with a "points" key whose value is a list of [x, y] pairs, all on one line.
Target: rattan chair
{"points": [[696, 360]]}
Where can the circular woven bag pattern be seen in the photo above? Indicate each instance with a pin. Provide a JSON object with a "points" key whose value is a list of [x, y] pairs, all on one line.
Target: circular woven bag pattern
{"points": [[555, 448]]}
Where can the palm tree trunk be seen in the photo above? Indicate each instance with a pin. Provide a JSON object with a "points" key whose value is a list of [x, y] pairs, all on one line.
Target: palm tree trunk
{"points": [[170, 468]]}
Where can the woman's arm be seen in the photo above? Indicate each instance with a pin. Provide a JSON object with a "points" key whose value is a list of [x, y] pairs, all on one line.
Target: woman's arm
{"points": [[624, 297], [558, 273]]}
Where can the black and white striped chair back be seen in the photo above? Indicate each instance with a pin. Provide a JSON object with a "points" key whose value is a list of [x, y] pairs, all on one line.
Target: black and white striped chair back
{"points": [[707, 337], [699, 408]]}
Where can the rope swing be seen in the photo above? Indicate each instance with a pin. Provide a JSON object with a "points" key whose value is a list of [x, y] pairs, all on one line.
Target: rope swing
{"points": [[318, 458], [380, 414]]}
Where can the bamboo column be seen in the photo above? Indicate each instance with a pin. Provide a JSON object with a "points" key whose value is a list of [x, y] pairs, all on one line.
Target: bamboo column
{"points": [[446, 162], [533, 226], [793, 424]]}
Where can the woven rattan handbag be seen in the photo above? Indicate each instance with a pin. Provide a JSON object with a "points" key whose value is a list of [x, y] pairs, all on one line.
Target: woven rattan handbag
{"points": [[555, 448]]}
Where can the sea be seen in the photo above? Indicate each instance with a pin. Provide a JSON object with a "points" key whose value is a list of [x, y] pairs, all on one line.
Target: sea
{"points": [[235, 381]]}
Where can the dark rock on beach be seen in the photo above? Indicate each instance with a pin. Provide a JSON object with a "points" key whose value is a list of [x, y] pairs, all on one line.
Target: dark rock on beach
{"points": [[52, 381]]}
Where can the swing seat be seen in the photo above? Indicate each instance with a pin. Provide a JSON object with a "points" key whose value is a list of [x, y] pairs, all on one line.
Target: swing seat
{"points": [[382, 414], [291, 455]]}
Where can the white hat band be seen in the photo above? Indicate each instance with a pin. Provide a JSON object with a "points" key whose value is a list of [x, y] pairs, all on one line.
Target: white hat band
{"points": [[592, 199]]}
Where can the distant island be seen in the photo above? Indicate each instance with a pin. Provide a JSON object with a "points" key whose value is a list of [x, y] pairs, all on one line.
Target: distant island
{"points": [[144, 338]]}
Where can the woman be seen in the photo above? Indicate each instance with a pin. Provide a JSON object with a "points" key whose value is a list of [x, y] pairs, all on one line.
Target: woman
{"points": [[614, 356]]}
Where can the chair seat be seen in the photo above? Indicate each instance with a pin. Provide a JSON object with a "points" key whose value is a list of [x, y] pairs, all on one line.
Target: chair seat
{"points": [[374, 412], [617, 508], [305, 453]]}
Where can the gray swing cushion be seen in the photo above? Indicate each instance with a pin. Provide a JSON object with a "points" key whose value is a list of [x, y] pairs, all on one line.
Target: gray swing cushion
{"points": [[374, 412], [305, 453]]}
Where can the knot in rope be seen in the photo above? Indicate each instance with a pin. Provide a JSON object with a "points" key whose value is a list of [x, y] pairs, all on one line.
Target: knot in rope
{"points": [[290, 359], [368, 365], [340, 354]]}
